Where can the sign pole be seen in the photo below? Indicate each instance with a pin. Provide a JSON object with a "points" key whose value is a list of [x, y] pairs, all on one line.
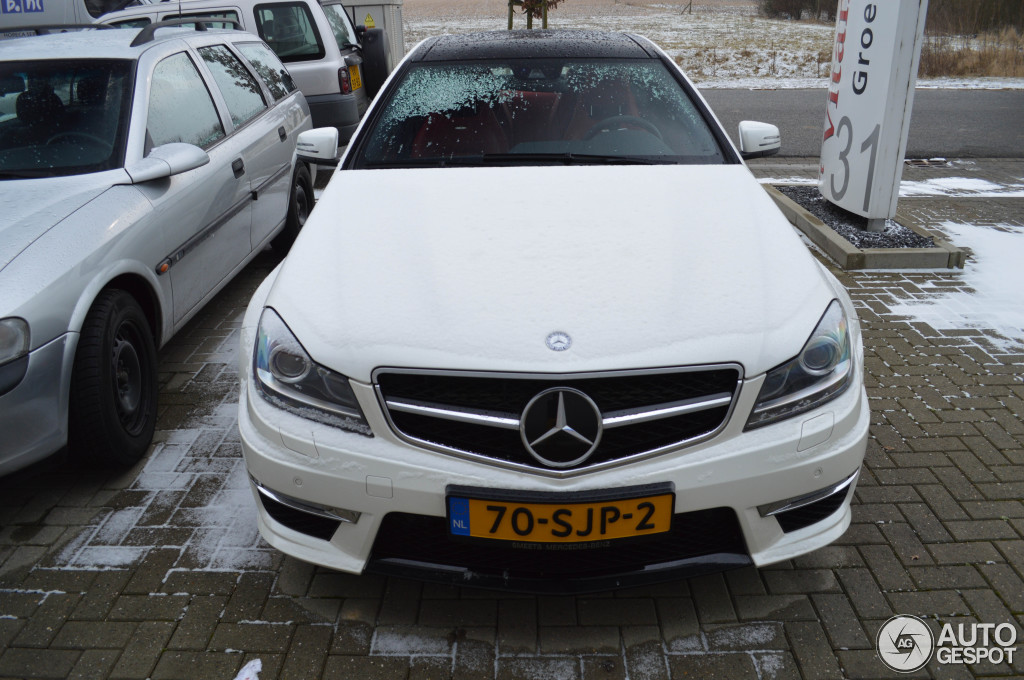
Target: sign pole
{"points": [[870, 96]]}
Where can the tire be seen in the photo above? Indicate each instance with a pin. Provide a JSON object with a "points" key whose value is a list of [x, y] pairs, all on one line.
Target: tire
{"points": [[300, 203], [112, 410]]}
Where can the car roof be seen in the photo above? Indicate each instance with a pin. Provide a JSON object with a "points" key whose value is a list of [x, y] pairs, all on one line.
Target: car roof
{"points": [[534, 44], [114, 43]]}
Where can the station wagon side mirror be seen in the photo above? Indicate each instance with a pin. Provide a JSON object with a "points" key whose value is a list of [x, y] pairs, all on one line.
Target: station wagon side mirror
{"points": [[319, 145], [166, 161], [758, 140]]}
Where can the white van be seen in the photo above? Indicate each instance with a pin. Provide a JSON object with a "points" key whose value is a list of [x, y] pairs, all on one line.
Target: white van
{"points": [[17, 16], [337, 68]]}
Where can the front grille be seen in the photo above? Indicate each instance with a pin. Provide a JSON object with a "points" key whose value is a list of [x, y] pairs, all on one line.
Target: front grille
{"points": [[643, 412], [426, 542]]}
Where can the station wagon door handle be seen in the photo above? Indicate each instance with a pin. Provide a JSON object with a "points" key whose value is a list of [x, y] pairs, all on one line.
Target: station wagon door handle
{"points": [[238, 167], [282, 133]]}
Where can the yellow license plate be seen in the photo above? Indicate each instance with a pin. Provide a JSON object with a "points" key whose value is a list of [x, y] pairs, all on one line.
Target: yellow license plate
{"points": [[560, 522], [357, 82]]}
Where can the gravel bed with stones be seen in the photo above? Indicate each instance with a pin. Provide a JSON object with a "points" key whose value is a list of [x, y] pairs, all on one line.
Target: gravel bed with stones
{"points": [[853, 227]]}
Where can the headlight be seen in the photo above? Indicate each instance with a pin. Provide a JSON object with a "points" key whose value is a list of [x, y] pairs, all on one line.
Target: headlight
{"points": [[818, 374], [14, 339], [291, 380]]}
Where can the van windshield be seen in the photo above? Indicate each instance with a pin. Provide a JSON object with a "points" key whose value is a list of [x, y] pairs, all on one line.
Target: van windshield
{"points": [[63, 117]]}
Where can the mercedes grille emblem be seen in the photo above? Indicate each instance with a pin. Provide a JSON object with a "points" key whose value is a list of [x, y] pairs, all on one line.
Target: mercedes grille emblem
{"points": [[559, 341], [561, 427]]}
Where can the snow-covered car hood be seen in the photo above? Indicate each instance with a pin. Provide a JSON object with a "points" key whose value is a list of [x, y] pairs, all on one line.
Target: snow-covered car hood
{"points": [[473, 268], [30, 207]]}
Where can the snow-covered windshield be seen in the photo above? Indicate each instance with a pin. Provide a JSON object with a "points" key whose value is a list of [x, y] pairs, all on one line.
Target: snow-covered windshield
{"points": [[538, 110], [63, 117]]}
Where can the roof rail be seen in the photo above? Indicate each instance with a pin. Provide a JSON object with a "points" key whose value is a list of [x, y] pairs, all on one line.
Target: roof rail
{"points": [[147, 34], [63, 28]]}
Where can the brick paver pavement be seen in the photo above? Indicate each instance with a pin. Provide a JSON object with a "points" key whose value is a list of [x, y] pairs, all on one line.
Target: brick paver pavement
{"points": [[158, 571]]}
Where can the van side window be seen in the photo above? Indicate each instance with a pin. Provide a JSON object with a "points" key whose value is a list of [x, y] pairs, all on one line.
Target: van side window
{"points": [[337, 17], [180, 106], [290, 31], [227, 14], [240, 89], [269, 68]]}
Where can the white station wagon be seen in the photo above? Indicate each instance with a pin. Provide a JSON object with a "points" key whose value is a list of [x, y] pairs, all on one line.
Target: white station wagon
{"points": [[572, 346], [139, 171]]}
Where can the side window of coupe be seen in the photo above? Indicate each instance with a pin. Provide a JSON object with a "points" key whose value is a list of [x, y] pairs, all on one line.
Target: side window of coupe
{"points": [[180, 106], [240, 89]]}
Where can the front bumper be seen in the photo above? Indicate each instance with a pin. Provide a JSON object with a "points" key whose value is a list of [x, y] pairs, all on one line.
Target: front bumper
{"points": [[33, 414], [388, 489]]}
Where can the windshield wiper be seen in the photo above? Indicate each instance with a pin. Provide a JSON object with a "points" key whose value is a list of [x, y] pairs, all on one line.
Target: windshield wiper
{"points": [[24, 174], [520, 159], [568, 158]]}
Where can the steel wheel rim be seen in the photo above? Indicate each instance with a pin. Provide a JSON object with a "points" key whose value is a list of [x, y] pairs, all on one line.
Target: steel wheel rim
{"points": [[128, 379]]}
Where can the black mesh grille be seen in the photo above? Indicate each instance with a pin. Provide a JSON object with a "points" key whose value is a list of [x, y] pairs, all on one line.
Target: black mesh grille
{"points": [[303, 522], [810, 514], [510, 395], [426, 540]]}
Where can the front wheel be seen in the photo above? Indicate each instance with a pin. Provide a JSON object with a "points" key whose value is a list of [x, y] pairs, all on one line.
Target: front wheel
{"points": [[300, 203], [112, 411]]}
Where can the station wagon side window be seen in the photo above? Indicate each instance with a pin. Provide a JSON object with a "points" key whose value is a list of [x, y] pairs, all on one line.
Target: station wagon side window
{"points": [[269, 68], [240, 89], [290, 31], [180, 107]]}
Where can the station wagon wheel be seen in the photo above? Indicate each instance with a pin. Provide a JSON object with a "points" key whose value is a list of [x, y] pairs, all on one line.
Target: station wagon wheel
{"points": [[299, 206], [112, 411]]}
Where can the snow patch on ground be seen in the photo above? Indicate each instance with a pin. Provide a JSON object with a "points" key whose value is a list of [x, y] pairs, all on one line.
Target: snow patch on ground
{"points": [[992, 282], [250, 671], [224, 535], [961, 187]]}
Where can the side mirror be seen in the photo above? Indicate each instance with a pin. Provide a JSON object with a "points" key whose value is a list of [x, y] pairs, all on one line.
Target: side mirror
{"points": [[758, 140], [319, 145], [166, 161]]}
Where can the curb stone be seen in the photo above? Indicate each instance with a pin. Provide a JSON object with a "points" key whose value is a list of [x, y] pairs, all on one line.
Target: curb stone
{"points": [[848, 256]]}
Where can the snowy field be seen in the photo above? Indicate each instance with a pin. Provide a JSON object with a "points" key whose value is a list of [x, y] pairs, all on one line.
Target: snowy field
{"points": [[721, 43]]}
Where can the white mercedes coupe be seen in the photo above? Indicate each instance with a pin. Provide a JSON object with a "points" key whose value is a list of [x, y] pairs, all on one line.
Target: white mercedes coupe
{"points": [[544, 331]]}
